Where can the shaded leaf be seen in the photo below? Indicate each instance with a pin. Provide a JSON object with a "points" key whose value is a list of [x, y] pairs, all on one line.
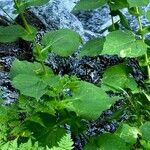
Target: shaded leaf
{"points": [[145, 130], [23, 4], [11, 33], [118, 4], [137, 3]]}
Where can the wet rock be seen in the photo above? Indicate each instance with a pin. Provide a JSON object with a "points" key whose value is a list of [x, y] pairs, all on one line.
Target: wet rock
{"points": [[87, 68], [32, 19], [4, 21], [56, 15]]}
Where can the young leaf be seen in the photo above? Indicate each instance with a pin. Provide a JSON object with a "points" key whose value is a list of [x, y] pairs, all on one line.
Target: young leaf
{"points": [[93, 47], [124, 44], [137, 3], [62, 42], [89, 100], [11, 33], [89, 4], [118, 78]]}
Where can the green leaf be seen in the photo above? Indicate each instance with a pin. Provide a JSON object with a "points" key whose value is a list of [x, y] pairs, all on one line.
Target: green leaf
{"points": [[29, 78], [90, 101], [107, 142], [11, 33], [124, 44], [117, 77], [47, 132], [29, 85], [23, 4], [93, 47], [123, 20], [148, 15], [137, 3], [128, 134], [65, 143], [24, 67], [62, 42], [88, 4], [118, 4], [145, 130], [112, 142], [30, 36]]}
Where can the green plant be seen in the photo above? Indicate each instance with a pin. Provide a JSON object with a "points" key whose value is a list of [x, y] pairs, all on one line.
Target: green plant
{"points": [[44, 104]]}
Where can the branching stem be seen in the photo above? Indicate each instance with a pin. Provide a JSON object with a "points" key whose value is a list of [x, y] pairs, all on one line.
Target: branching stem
{"points": [[141, 29]]}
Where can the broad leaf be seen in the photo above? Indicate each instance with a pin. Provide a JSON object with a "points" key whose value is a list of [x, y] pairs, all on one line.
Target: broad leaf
{"points": [[137, 3], [107, 142], [118, 4], [29, 85], [145, 130], [128, 134], [29, 78], [117, 77], [89, 4], [90, 101], [11, 33], [124, 44], [62, 42], [93, 47], [23, 4], [24, 67]]}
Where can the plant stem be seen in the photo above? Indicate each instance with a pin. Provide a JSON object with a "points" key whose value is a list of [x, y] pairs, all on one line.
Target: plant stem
{"points": [[25, 23], [141, 29], [113, 24], [23, 18], [41, 62]]}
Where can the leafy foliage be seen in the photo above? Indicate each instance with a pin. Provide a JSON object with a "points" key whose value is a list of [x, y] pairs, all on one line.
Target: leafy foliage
{"points": [[50, 105]]}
